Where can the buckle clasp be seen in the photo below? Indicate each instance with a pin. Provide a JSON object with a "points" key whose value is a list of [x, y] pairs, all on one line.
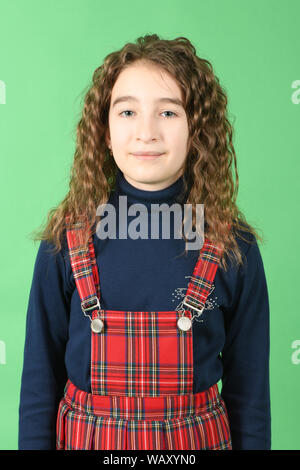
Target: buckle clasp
{"points": [[184, 302], [90, 307]]}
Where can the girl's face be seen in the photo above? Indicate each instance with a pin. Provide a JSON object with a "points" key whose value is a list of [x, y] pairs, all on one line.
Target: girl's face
{"points": [[141, 119]]}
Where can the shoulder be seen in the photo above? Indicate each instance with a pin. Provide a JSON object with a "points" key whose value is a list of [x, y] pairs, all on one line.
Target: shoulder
{"points": [[250, 253], [247, 279], [245, 240], [49, 259], [252, 268], [247, 244]]}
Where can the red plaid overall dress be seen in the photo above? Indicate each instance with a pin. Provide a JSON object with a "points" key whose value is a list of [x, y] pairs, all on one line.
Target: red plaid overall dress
{"points": [[141, 371]]}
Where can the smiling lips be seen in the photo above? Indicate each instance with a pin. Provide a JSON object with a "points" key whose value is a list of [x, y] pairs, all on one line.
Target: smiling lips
{"points": [[144, 155]]}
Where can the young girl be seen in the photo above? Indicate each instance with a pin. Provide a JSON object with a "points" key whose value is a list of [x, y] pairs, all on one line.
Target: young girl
{"points": [[128, 335]]}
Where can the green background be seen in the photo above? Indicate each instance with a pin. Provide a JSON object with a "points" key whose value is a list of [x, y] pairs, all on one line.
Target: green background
{"points": [[49, 51]]}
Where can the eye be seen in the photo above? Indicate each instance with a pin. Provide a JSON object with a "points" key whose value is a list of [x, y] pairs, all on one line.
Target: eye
{"points": [[171, 113], [128, 111]]}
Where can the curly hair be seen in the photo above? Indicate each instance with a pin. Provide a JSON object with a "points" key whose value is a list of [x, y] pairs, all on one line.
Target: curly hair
{"points": [[207, 173]]}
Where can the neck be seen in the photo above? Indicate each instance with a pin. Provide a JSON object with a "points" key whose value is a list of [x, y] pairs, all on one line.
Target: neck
{"points": [[170, 194]]}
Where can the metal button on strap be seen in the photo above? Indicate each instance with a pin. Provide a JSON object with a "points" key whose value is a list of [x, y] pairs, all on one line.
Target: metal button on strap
{"points": [[97, 325], [184, 323]]}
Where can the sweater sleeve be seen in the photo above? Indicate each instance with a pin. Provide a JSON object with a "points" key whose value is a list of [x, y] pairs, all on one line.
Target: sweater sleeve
{"points": [[245, 357], [44, 375]]}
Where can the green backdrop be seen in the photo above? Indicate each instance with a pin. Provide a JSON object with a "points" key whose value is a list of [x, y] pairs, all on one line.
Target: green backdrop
{"points": [[49, 51]]}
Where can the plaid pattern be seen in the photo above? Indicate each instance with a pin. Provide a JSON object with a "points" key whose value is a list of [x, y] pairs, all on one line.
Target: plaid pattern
{"points": [[203, 275], [132, 355], [83, 262], [142, 396], [175, 422]]}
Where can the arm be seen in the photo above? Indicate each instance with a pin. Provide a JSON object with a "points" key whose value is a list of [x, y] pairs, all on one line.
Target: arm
{"points": [[44, 374], [245, 358]]}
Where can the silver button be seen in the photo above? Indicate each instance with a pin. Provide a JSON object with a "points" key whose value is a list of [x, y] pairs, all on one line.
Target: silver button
{"points": [[184, 323], [97, 325]]}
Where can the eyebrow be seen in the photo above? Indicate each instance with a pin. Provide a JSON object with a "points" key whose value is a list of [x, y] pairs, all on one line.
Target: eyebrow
{"points": [[159, 100]]}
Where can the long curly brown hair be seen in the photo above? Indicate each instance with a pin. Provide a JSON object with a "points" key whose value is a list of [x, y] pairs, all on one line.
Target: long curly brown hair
{"points": [[207, 174]]}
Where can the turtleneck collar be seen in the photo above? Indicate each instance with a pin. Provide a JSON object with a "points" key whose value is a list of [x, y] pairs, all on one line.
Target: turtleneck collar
{"points": [[171, 194]]}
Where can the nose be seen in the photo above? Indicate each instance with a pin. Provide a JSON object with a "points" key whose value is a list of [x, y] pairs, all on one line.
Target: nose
{"points": [[146, 129]]}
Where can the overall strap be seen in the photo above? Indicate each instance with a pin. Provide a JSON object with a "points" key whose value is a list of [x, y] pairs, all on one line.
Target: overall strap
{"points": [[84, 267], [86, 274], [203, 276]]}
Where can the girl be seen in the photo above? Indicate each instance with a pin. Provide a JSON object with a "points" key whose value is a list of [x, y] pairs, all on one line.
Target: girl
{"points": [[128, 336]]}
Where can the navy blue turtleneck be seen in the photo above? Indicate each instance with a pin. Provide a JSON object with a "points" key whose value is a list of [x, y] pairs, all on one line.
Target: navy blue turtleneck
{"points": [[230, 343]]}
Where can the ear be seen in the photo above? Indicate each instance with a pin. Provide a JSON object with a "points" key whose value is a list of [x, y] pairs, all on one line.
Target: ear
{"points": [[107, 138]]}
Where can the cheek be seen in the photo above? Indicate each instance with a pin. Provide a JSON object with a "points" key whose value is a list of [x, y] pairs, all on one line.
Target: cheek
{"points": [[179, 144], [118, 132], [179, 155], [179, 134]]}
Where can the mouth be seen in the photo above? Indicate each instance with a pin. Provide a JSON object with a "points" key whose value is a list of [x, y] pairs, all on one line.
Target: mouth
{"points": [[147, 157]]}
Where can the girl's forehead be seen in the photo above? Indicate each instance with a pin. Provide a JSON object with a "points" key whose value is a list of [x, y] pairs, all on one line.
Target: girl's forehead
{"points": [[136, 81]]}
